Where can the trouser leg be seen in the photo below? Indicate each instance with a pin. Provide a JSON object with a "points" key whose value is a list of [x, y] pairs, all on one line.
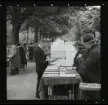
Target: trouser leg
{"points": [[31, 57], [17, 70], [37, 94], [38, 82]]}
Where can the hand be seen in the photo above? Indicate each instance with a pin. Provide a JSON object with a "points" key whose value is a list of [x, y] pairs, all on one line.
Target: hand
{"points": [[79, 56], [47, 58], [48, 62]]}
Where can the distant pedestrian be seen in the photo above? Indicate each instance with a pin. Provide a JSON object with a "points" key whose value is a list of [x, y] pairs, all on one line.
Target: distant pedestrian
{"points": [[25, 48], [15, 61], [22, 58], [31, 50]]}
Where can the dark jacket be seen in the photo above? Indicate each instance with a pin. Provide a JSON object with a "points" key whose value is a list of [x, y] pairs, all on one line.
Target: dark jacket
{"points": [[81, 51], [89, 65], [40, 57], [30, 49], [15, 59], [22, 55]]}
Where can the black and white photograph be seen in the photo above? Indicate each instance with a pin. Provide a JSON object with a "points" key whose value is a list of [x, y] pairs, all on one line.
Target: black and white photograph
{"points": [[53, 52]]}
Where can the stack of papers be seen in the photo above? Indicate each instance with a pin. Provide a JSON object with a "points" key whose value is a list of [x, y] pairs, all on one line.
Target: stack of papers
{"points": [[90, 85], [62, 72], [51, 75], [67, 75], [69, 68], [50, 72], [69, 72], [62, 75], [63, 69], [52, 68]]}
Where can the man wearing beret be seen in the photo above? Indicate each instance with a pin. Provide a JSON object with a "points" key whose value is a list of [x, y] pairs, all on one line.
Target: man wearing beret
{"points": [[89, 65]]}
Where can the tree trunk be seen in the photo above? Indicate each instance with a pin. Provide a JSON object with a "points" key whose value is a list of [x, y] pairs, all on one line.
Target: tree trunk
{"points": [[36, 35], [17, 19], [15, 34]]}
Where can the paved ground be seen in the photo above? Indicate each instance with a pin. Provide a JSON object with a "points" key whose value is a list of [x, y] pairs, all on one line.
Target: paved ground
{"points": [[23, 85]]}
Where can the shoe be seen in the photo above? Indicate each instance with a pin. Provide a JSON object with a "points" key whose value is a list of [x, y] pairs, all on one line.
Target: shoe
{"points": [[37, 98]]}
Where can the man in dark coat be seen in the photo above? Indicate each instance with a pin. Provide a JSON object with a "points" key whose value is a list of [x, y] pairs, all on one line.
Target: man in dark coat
{"points": [[41, 64], [22, 58], [15, 61], [30, 48], [89, 65]]}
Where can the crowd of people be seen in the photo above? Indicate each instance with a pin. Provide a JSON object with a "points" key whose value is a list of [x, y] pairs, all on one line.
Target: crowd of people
{"points": [[21, 54], [86, 61]]}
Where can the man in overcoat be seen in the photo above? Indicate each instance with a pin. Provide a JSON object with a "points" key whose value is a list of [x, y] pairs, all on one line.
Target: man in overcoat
{"points": [[41, 63], [89, 65]]}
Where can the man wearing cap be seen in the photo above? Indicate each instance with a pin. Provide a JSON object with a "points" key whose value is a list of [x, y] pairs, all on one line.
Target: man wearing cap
{"points": [[89, 65], [30, 49]]}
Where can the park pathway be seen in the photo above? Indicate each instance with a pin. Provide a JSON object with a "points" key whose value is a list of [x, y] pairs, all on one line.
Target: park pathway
{"points": [[23, 85]]}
